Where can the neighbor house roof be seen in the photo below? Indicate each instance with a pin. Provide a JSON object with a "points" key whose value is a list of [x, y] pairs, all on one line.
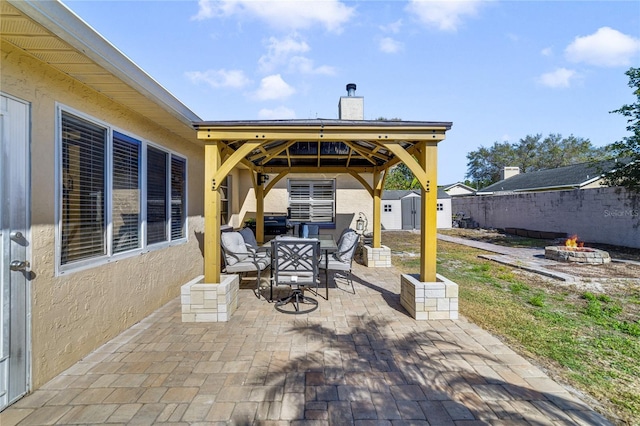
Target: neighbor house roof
{"points": [[458, 185], [568, 177], [398, 194], [52, 33]]}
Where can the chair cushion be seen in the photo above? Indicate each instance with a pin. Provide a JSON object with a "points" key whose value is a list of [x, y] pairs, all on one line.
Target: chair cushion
{"points": [[234, 243], [248, 265], [249, 238], [347, 246], [336, 265]]}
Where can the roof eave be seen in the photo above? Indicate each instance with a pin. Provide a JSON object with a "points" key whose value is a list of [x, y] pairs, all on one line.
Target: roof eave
{"points": [[303, 124], [70, 28]]}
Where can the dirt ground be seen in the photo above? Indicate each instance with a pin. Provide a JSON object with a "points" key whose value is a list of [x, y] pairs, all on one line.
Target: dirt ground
{"points": [[608, 270]]}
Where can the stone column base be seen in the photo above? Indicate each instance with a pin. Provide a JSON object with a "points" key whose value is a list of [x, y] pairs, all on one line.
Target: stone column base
{"points": [[209, 302], [377, 257], [429, 300]]}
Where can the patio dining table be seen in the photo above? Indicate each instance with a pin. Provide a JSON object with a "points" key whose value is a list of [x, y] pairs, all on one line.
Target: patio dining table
{"points": [[327, 245]]}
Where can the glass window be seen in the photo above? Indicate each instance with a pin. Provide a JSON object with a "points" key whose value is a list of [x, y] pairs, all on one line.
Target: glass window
{"points": [[225, 201], [156, 195], [178, 197], [312, 201], [126, 193], [83, 227], [387, 208], [100, 209]]}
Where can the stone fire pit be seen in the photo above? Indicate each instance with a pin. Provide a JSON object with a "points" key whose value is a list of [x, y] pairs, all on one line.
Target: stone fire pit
{"points": [[577, 255]]}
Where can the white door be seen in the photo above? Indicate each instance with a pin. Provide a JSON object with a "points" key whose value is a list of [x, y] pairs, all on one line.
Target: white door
{"points": [[14, 244]]}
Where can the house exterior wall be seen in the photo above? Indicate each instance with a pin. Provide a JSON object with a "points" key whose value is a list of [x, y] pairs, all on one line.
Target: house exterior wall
{"points": [[75, 313], [602, 215], [351, 198]]}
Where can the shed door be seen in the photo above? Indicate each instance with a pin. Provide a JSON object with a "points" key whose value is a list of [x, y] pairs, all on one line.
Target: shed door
{"points": [[411, 213], [14, 242]]}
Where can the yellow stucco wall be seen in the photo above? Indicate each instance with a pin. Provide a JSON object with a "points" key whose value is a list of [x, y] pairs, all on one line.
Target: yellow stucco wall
{"points": [[351, 198], [75, 313]]}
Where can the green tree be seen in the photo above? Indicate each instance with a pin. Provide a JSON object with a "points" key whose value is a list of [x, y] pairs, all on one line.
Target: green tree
{"points": [[530, 154], [485, 164], [401, 177], [628, 149]]}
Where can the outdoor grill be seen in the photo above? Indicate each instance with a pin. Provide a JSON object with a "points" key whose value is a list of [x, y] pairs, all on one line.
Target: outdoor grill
{"points": [[275, 224]]}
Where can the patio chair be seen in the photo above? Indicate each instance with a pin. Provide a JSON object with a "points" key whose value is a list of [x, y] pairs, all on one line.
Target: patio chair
{"points": [[295, 263], [239, 259], [250, 240], [341, 260], [305, 230]]}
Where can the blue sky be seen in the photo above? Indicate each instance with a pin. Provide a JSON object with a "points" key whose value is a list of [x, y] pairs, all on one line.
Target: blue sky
{"points": [[499, 70]]}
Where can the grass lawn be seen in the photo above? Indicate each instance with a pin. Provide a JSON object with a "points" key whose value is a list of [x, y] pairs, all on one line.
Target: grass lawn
{"points": [[588, 340]]}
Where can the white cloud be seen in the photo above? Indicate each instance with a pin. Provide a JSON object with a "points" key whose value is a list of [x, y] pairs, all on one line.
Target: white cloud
{"points": [[205, 11], [560, 78], [281, 14], [513, 37], [279, 51], [547, 51], [606, 48], [273, 87], [303, 65], [389, 45], [219, 78], [443, 15], [279, 113], [285, 51], [393, 27]]}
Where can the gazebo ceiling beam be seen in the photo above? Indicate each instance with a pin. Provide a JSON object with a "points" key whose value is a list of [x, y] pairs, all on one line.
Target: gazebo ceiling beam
{"points": [[366, 143], [272, 152], [314, 169], [366, 153], [326, 134]]}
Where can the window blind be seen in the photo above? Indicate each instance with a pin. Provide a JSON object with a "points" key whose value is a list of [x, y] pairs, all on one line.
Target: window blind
{"points": [[178, 201], [83, 189], [126, 193], [312, 201], [156, 195]]}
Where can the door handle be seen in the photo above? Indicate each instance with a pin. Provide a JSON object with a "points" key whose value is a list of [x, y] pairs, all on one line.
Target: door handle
{"points": [[19, 265]]}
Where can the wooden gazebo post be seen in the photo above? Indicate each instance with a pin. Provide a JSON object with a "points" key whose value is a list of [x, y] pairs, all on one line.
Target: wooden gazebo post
{"points": [[427, 154], [212, 265]]}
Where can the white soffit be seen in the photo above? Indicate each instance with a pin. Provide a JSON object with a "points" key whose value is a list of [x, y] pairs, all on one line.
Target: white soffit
{"points": [[51, 32]]}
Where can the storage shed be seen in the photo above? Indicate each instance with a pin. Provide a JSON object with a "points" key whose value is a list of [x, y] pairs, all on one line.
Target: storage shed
{"points": [[401, 210]]}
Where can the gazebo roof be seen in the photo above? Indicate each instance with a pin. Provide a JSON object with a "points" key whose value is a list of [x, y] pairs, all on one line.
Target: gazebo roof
{"points": [[327, 144]]}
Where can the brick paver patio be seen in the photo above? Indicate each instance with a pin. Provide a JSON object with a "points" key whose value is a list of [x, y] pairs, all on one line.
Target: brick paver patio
{"points": [[358, 359]]}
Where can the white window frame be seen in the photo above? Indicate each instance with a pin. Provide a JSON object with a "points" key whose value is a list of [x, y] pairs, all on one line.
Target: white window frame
{"points": [[311, 201], [387, 208], [143, 247]]}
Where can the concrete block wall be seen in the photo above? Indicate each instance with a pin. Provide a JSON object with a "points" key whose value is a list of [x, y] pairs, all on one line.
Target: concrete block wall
{"points": [[429, 300], [377, 257], [599, 215], [205, 302]]}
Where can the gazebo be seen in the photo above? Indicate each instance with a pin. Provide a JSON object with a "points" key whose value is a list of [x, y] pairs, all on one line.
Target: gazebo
{"points": [[365, 149]]}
